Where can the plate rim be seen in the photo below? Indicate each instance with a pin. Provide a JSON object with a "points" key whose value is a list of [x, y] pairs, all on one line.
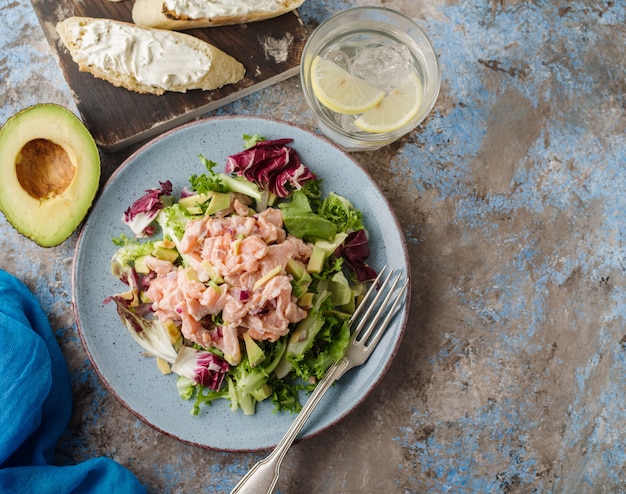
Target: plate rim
{"points": [[167, 134]]}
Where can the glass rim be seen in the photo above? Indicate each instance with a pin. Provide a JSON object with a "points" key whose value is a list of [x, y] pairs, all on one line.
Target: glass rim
{"points": [[319, 35]]}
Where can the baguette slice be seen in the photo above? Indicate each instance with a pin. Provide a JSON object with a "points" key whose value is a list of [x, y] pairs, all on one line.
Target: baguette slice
{"points": [[191, 14], [147, 61]]}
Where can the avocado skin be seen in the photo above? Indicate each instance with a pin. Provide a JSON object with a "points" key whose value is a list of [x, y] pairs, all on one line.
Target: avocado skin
{"points": [[43, 213]]}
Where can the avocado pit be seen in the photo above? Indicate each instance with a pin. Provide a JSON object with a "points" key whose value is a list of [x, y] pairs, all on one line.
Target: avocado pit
{"points": [[44, 169]]}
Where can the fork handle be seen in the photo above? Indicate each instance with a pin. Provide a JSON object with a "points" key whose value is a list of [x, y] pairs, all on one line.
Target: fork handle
{"points": [[262, 477]]}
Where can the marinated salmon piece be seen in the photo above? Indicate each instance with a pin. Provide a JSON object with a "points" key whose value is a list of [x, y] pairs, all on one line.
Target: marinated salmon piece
{"points": [[228, 342], [272, 324], [241, 209], [214, 299], [159, 266], [234, 310], [203, 302], [195, 232], [194, 331], [245, 256], [279, 254], [165, 296], [270, 225]]}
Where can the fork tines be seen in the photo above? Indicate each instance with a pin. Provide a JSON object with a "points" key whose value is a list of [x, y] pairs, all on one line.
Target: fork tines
{"points": [[378, 298]]}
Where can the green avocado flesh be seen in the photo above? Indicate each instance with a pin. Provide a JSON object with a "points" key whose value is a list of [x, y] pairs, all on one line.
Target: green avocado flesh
{"points": [[50, 169]]}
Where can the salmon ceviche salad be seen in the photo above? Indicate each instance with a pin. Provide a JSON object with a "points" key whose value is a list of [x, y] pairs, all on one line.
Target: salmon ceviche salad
{"points": [[243, 283]]}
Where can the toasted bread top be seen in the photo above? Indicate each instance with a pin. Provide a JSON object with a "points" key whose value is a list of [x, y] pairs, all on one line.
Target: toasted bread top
{"points": [[146, 60], [188, 14]]}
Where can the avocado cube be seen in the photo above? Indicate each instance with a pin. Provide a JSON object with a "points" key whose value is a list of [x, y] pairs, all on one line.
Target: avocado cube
{"points": [[255, 354], [316, 261]]}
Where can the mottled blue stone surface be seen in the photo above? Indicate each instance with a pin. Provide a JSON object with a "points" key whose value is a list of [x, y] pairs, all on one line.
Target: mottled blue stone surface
{"points": [[512, 373]]}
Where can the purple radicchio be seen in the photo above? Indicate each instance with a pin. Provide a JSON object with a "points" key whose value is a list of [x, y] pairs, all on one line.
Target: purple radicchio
{"points": [[202, 367], [355, 250], [140, 215], [272, 165]]}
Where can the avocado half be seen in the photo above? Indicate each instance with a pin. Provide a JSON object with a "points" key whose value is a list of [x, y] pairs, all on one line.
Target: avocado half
{"points": [[49, 172]]}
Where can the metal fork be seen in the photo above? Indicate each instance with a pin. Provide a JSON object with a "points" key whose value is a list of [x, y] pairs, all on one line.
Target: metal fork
{"points": [[263, 476]]}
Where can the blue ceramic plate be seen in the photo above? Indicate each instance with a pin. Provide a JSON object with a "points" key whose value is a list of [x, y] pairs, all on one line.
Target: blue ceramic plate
{"points": [[135, 379]]}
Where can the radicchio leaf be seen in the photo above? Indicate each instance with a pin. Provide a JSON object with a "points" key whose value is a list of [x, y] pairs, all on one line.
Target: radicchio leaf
{"points": [[140, 215], [272, 165], [203, 367], [149, 333], [355, 250]]}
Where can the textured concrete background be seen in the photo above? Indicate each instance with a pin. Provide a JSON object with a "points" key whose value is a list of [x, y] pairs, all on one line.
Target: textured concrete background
{"points": [[512, 375]]}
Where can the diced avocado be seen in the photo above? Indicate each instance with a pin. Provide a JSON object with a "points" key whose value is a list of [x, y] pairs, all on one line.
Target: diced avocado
{"points": [[193, 200], [173, 332], [316, 261], [255, 354], [231, 358], [208, 268], [306, 300], [143, 297], [235, 246], [214, 286], [331, 246], [140, 265], [50, 169], [163, 366], [194, 210], [322, 250], [191, 274], [301, 278], [296, 269], [166, 243], [165, 254], [219, 202]]}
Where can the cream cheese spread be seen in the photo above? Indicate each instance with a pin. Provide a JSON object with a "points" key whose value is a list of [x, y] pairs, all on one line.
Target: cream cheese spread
{"points": [[152, 57], [206, 9]]}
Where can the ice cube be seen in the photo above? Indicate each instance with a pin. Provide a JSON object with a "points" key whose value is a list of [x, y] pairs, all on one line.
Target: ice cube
{"points": [[340, 58], [384, 66], [347, 123]]}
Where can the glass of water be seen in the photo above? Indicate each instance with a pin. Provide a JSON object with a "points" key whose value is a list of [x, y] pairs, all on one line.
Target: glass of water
{"points": [[369, 75]]}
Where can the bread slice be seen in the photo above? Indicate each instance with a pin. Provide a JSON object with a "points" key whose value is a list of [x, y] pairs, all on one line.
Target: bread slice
{"points": [[144, 60], [190, 14]]}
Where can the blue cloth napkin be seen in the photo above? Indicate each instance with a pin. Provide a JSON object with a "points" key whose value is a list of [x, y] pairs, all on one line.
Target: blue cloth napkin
{"points": [[35, 407]]}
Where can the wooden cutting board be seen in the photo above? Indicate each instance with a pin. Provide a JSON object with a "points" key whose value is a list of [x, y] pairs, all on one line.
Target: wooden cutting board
{"points": [[270, 50]]}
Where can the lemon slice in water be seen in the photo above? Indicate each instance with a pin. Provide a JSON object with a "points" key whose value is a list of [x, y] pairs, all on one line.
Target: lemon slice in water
{"points": [[396, 110], [340, 91]]}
